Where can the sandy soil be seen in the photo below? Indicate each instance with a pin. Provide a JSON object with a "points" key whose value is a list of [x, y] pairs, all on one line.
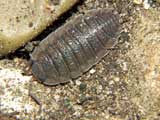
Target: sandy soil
{"points": [[124, 85]]}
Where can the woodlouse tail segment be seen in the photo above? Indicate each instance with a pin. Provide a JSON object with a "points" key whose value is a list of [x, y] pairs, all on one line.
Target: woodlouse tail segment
{"points": [[106, 23]]}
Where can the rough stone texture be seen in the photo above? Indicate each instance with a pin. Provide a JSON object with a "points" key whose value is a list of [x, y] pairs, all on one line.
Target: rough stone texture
{"points": [[145, 57], [125, 85], [21, 20], [158, 1]]}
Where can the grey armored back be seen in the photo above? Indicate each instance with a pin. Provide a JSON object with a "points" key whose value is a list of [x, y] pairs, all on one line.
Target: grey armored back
{"points": [[75, 47]]}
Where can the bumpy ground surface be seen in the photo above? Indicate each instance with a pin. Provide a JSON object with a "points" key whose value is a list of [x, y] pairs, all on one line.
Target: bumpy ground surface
{"points": [[125, 85]]}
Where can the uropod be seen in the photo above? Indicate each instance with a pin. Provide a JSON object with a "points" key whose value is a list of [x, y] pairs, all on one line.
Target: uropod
{"points": [[75, 47]]}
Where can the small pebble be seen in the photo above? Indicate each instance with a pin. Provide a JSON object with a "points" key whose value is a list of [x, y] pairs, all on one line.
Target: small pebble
{"points": [[116, 79], [78, 82], [92, 71], [56, 97], [82, 87], [137, 1], [146, 4]]}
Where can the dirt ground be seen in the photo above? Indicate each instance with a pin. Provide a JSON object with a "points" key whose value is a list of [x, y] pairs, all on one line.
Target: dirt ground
{"points": [[124, 85]]}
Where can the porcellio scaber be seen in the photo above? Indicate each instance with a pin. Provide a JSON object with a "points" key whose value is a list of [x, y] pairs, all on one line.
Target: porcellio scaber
{"points": [[75, 47]]}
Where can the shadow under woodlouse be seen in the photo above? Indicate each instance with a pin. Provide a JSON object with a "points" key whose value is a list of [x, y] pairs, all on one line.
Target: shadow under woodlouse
{"points": [[76, 46]]}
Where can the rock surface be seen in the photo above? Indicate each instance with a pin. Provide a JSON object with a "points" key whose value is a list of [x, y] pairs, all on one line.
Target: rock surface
{"points": [[21, 20]]}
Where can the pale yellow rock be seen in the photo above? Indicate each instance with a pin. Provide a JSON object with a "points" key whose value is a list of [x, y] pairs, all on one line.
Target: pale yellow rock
{"points": [[21, 20], [158, 1], [145, 55], [138, 1]]}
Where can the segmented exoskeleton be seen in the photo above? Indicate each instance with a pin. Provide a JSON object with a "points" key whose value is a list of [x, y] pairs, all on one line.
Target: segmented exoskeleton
{"points": [[76, 46]]}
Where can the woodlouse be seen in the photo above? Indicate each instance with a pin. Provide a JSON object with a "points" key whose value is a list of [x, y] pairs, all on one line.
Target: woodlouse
{"points": [[75, 47]]}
